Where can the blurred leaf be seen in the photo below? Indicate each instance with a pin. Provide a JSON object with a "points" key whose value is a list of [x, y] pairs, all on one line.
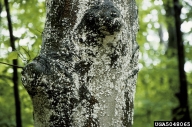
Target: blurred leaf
{"points": [[12, 55]]}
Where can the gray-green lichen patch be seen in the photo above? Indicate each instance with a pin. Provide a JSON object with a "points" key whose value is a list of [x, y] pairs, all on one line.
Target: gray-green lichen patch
{"points": [[85, 75]]}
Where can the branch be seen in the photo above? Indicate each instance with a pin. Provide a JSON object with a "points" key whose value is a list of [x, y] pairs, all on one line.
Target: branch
{"points": [[11, 65]]}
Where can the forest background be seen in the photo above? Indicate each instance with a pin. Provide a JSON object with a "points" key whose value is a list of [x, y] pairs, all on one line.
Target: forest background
{"points": [[158, 79]]}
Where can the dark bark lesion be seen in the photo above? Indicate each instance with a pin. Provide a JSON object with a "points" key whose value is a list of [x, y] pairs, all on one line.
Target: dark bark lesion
{"points": [[83, 67], [99, 22], [62, 13], [101, 19], [88, 101], [33, 72], [119, 50], [39, 65], [128, 111]]}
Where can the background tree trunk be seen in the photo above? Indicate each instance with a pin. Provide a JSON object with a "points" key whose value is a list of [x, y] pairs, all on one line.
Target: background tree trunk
{"points": [[86, 72], [15, 71], [181, 113]]}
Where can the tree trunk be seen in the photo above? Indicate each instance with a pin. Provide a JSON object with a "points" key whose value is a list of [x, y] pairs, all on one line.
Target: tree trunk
{"points": [[86, 72], [172, 44], [181, 113], [15, 71]]}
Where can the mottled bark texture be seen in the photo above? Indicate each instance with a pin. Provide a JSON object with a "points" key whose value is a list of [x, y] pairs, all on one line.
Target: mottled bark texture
{"points": [[86, 72]]}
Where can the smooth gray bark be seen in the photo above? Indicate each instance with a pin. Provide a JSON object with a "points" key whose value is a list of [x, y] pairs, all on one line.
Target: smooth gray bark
{"points": [[86, 73]]}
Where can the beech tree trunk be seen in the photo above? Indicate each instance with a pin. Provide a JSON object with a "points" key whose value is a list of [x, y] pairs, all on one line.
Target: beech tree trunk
{"points": [[85, 74]]}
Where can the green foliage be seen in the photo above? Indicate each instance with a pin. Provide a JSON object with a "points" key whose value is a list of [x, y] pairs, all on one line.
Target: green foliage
{"points": [[27, 20], [158, 79], [12, 55], [6, 102], [155, 92]]}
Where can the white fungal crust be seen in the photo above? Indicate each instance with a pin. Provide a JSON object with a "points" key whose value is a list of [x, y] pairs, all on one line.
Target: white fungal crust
{"points": [[86, 73]]}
